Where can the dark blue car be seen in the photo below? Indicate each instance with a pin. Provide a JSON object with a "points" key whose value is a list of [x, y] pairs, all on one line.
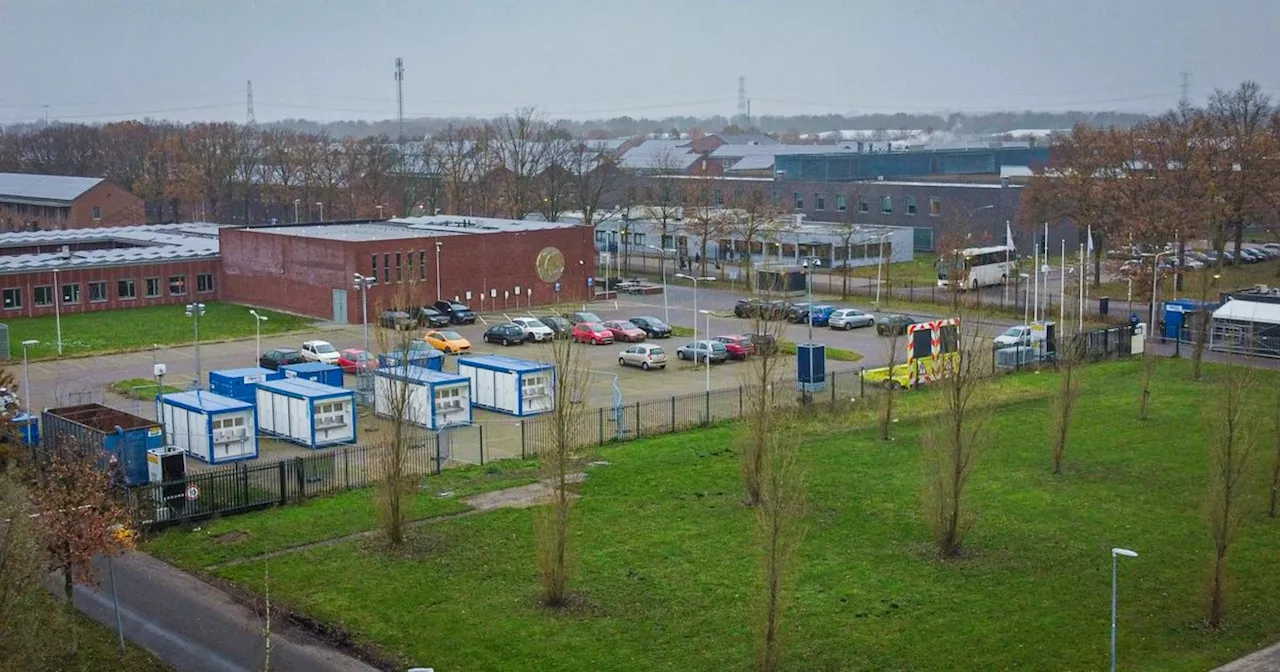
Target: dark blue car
{"points": [[820, 315]]}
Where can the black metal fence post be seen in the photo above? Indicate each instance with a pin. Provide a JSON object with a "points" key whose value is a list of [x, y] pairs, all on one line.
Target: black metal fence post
{"points": [[707, 396], [523, 456], [283, 499], [482, 445], [346, 470], [301, 468], [673, 413], [601, 440], [739, 401]]}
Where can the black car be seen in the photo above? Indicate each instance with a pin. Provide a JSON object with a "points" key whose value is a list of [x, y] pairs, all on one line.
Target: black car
{"points": [[894, 325], [798, 312], [774, 310], [274, 359], [396, 319], [457, 313], [430, 318], [558, 325], [652, 327], [765, 343], [747, 308], [507, 333], [575, 318]]}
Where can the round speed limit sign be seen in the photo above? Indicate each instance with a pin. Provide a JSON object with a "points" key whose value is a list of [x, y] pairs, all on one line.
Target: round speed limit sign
{"points": [[193, 493]]}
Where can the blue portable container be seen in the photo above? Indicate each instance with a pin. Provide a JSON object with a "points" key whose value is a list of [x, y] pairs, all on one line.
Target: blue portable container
{"points": [[509, 385], [210, 427], [1179, 313], [29, 425], [123, 437], [435, 399], [306, 412], [329, 374], [427, 359], [241, 384], [811, 366]]}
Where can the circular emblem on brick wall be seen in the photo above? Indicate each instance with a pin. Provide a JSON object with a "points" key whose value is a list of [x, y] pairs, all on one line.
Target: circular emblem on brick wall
{"points": [[550, 264]]}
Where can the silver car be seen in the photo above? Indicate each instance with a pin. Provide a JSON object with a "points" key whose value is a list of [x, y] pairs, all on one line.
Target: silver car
{"points": [[700, 351], [850, 318], [644, 355]]}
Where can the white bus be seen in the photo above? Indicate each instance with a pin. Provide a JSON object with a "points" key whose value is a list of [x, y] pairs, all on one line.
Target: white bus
{"points": [[978, 267]]}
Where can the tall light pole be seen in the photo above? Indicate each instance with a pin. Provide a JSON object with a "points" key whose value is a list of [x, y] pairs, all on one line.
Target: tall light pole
{"points": [[808, 281], [379, 211], [57, 310], [1155, 285], [695, 322], [1115, 562], [666, 310], [257, 331], [695, 279], [296, 202], [363, 283], [438, 246], [26, 375], [194, 311], [321, 206]]}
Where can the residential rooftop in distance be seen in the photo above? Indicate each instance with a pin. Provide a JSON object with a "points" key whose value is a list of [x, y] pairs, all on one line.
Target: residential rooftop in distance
{"points": [[55, 190], [408, 227]]}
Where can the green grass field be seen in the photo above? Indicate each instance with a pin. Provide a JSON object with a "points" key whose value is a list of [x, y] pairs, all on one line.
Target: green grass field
{"points": [[144, 389], [667, 570], [139, 328], [97, 647]]}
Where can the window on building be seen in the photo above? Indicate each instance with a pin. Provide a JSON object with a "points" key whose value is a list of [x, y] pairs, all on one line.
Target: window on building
{"points": [[98, 291], [409, 262], [886, 205], [126, 289], [637, 239], [71, 293], [373, 267], [399, 268], [601, 236], [422, 265], [935, 207], [648, 194], [153, 288], [13, 298], [737, 194], [776, 197], [819, 202], [863, 205], [204, 283], [668, 242], [97, 213], [177, 285], [719, 195], [43, 295], [797, 199], [386, 268], [842, 203], [911, 204]]}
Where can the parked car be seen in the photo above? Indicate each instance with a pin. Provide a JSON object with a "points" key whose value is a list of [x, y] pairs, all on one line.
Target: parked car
{"points": [[1016, 335], [624, 331], [396, 319], [701, 351], [559, 326], [320, 351], [739, 347], [644, 355], [355, 360], [1251, 256], [894, 325], [819, 315], [775, 310], [429, 317], [593, 333], [450, 342], [534, 329], [458, 313], [278, 357], [652, 326], [419, 344], [747, 308], [798, 312], [576, 318], [507, 333], [850, 318], [764, 344]]}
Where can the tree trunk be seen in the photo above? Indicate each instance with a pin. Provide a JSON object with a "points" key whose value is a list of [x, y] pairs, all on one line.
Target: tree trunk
{"points": [[1216, 591]]}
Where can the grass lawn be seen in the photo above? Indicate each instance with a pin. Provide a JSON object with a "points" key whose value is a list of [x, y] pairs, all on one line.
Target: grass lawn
{"points": [[141, 388], [922, 269], [139, 328], [98, 649], [833, 354], [666, 562], [1233, 277]]}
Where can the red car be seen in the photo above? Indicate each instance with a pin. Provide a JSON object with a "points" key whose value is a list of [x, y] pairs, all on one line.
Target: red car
{"points": [[355, 360], [625, 330], [593, 333], [738, 346]]}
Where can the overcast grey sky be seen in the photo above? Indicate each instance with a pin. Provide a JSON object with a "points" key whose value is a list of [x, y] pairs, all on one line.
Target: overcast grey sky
{"points": [[331, 59]]}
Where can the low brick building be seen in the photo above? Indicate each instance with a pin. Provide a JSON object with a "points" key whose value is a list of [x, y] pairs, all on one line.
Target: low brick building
{"points": [[487, 263], [59, 202]]}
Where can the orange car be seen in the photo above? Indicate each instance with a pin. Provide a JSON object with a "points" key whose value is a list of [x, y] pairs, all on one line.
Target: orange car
{"points": [[451, 342]]}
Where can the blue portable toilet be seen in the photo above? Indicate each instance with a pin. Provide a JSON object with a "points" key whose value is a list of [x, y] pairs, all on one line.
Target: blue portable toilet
{"points": [[1179, 313], [811, 367], [329, 374], [427, 359], [241, 384], [435, 399], [509, 385], [210, 427], [308, 413], [29, 426], [123, 437]]}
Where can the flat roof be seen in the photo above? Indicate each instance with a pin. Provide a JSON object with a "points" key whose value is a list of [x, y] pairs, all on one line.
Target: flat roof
{"points": [[504, 362], [155, 243], [205, 401], [401, 228], [307, 389]]}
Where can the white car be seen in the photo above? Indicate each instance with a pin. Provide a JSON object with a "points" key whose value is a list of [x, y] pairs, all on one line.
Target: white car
{"points": [[848, 318], [320, 351], [534, 329], [1019, 335]]}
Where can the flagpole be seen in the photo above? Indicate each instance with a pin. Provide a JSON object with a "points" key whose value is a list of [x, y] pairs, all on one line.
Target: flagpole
{"points": [[1045, 315], [1062, 296], [1035, 282], [1083, 282], [1008, 245]]}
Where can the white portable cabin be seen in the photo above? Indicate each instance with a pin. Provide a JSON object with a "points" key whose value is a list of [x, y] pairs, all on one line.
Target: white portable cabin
{"points": [[509, 385], [209, 427], [435, 399], [307, 412]]}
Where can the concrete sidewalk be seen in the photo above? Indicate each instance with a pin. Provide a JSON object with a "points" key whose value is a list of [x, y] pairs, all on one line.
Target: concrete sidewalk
{"points": [[195, 627], [1266, 660]]}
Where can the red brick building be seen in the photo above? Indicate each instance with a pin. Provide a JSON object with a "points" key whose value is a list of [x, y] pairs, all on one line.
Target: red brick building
{"points": [[52, 272], [59, 202], [486, 263]]}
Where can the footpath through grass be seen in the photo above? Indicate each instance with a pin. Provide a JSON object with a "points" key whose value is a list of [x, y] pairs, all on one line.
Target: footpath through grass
{"points": [[667, 569], [139, 328]]}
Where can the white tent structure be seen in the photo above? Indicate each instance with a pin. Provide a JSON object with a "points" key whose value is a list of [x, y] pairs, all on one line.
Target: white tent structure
{"points": [[1246, 327]]}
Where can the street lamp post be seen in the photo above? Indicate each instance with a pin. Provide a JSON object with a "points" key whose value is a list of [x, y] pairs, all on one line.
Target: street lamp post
{"points": [[880, 264], [1115, 562], [296, 203], [808, 281], [321, 206], [695, 322], [26, 375], [257, 331], [363, 283], [57, 310], [438, 246], [379, 211], [194, 311], [666, 311], [1155, 285], [695, 279]]}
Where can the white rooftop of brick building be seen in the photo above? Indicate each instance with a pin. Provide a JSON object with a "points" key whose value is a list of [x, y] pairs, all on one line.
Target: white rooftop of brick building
{"points": [[142, 244]]}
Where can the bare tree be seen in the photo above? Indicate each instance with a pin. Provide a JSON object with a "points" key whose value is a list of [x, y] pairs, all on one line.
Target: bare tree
{"points": [[760, 379], [1146, 377], [662, 203], [1063, 404], [395, 400], [1239, 119], [555, 180], [753, 218], [704, 215], [779, 529], [519, 152], [596, 178], [553, 524], [893, 346], [1230, 458]]}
